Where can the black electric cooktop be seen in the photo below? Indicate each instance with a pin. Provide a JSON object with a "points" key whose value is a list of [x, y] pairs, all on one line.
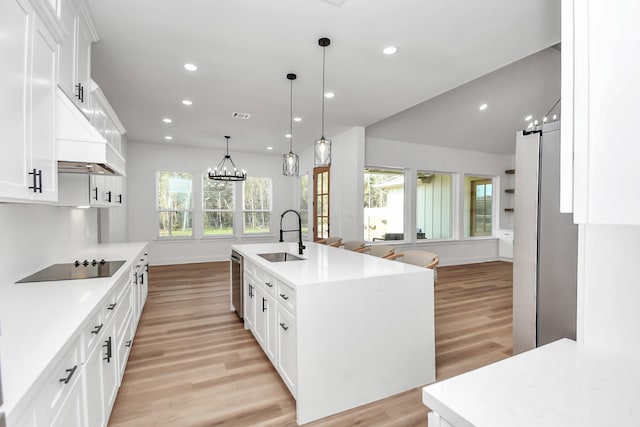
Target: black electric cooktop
{"points": [[76, 270]]}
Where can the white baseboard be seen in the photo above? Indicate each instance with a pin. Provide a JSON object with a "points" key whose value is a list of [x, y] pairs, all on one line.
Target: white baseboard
{"points": [[186, 260], [462, 261]]}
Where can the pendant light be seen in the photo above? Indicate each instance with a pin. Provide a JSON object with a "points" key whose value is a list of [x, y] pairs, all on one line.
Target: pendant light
{"points": [[290, 162], [322, 147], [226, 169]]}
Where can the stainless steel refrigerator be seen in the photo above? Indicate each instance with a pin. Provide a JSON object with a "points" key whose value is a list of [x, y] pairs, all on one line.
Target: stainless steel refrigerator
{"points": [[545, 246]]}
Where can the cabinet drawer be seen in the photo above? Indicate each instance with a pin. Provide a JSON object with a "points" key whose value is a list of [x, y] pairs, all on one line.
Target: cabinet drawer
{"points": [[122, 311], [125, 339], [92, 331], [59, 383], [286, 297], [111, 302]]}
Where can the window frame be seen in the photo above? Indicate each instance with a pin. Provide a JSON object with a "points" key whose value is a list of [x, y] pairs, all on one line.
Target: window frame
{"points": [[470, 209], [405, 197], [232, 211], [159, 210], [319, 170], [245, 211], [452, 206]]}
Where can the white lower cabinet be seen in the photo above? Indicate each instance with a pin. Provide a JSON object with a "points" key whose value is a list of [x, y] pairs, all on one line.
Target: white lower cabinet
{"points": [[72, 411], [268, 309], [287, 350], [94, 389]]}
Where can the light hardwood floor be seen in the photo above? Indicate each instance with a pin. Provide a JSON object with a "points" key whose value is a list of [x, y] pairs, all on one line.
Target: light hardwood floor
{"points": [[193, 364]]}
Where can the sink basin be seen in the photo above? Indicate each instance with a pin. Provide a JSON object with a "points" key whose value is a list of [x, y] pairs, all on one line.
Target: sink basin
{"points": [[280, 257]]}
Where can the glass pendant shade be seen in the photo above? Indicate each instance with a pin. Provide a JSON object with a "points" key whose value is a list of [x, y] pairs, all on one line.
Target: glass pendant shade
{"points": [[291, 161], [290, 164], [322, 152], [226, 169]]}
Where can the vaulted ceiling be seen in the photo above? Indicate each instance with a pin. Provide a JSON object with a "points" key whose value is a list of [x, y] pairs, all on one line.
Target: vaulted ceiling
{"points": [[245, 48]]}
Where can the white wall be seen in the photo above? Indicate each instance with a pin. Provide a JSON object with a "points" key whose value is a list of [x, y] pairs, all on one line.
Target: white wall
{"points": [[399, 154], [143, 160], [36, 236]]}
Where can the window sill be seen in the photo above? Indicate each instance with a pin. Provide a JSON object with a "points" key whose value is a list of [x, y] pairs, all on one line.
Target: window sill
{"points": [[219, 237], [260, 235], [174, 239]]}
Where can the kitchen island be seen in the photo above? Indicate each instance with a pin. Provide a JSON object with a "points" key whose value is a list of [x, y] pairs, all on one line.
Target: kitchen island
{"points": [[341, 328]]}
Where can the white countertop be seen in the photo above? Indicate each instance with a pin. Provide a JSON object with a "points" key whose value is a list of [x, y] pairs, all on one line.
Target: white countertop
{"points": [[39, 318], [322, 263], [561, 384]]}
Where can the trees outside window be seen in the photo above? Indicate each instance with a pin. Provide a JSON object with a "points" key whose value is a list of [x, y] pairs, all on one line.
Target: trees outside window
{"points": [[217, 204], [304, 204], [383, 204], [174, 204], [256, 194]]}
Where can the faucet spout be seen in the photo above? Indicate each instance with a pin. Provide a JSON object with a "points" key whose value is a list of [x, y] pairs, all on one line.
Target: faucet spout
{"points": [[299, 230]]}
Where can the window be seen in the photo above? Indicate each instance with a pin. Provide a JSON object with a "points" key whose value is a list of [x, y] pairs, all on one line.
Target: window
{"points": [[478, 206], [257, 205], [174, 204], [433, 205], [304, 204], [320, 203], [383, 204], [217, 206]]}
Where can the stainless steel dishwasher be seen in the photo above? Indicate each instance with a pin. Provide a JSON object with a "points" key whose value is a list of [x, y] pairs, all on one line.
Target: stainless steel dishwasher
{"points": [[236, 282]]}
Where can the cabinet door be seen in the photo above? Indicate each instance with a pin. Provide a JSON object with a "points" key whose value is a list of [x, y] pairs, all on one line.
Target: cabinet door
{"points": [[287, 349], [110, 377], [94, 387], [260, 326], [67, 48], [606, 92], [14, 22], [43, 98], [83, 66], [72, 410], [249, 302], [272, 328]]}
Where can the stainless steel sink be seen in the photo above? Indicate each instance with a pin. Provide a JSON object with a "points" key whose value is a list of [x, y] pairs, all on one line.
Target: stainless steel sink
{"points": [[280, 257]]}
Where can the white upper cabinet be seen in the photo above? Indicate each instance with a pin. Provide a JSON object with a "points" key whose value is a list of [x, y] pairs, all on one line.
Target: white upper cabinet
{"points": [[601, 89], [28, 48], [75, 54]]}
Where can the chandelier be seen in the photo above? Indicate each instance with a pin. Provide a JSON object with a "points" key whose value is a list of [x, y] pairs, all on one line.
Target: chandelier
{"points": [[226, 169]]}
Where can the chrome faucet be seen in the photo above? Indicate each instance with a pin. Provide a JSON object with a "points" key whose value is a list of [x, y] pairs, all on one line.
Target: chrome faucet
{"points": [[299, 230]]}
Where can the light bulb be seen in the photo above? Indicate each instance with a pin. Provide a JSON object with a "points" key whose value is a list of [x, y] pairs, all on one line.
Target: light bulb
{"points": [[555, 116]]}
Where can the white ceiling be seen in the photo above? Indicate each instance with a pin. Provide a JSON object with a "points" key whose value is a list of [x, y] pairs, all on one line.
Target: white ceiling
{"points": [[245, 48]]}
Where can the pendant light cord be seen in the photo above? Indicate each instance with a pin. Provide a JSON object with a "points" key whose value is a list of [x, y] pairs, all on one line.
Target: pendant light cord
{"points": [[323, 62], [291, 117]]}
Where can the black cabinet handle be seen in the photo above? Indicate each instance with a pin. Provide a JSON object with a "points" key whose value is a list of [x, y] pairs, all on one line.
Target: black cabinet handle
{"points": [[128, 344], [120, 198], [109, 196], [70, 373], [37, 176], [284, 326], [81, 93], [284, 297], [264, 301], [111, 306], [95, 193], [96, 329], [78, 90], [269, 284], [135, 278], [107, 346], [142, 279]]}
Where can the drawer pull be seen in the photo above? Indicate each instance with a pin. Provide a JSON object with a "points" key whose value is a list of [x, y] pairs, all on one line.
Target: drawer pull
{"points": [[128, 344], [96, 329], [264, 307], [269, 284], [284, 297], [111, 306], [70, 373], [107, 346], [284, 326], [250, 291]]}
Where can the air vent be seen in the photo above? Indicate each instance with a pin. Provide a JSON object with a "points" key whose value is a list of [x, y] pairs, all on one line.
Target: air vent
{"points": [[243, 116]]}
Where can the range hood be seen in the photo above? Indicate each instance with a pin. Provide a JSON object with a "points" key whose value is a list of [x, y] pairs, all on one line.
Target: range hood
{"points": [[81, 148]]}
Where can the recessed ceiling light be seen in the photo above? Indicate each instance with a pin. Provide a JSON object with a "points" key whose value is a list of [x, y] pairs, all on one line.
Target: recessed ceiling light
{"points": [[329, 95], [269, 148], [483, 107], [529, 117], [389, 50], [168, 138], [187, 102], [167, 120], [297, 119], [190, 67], [288, 135]]}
